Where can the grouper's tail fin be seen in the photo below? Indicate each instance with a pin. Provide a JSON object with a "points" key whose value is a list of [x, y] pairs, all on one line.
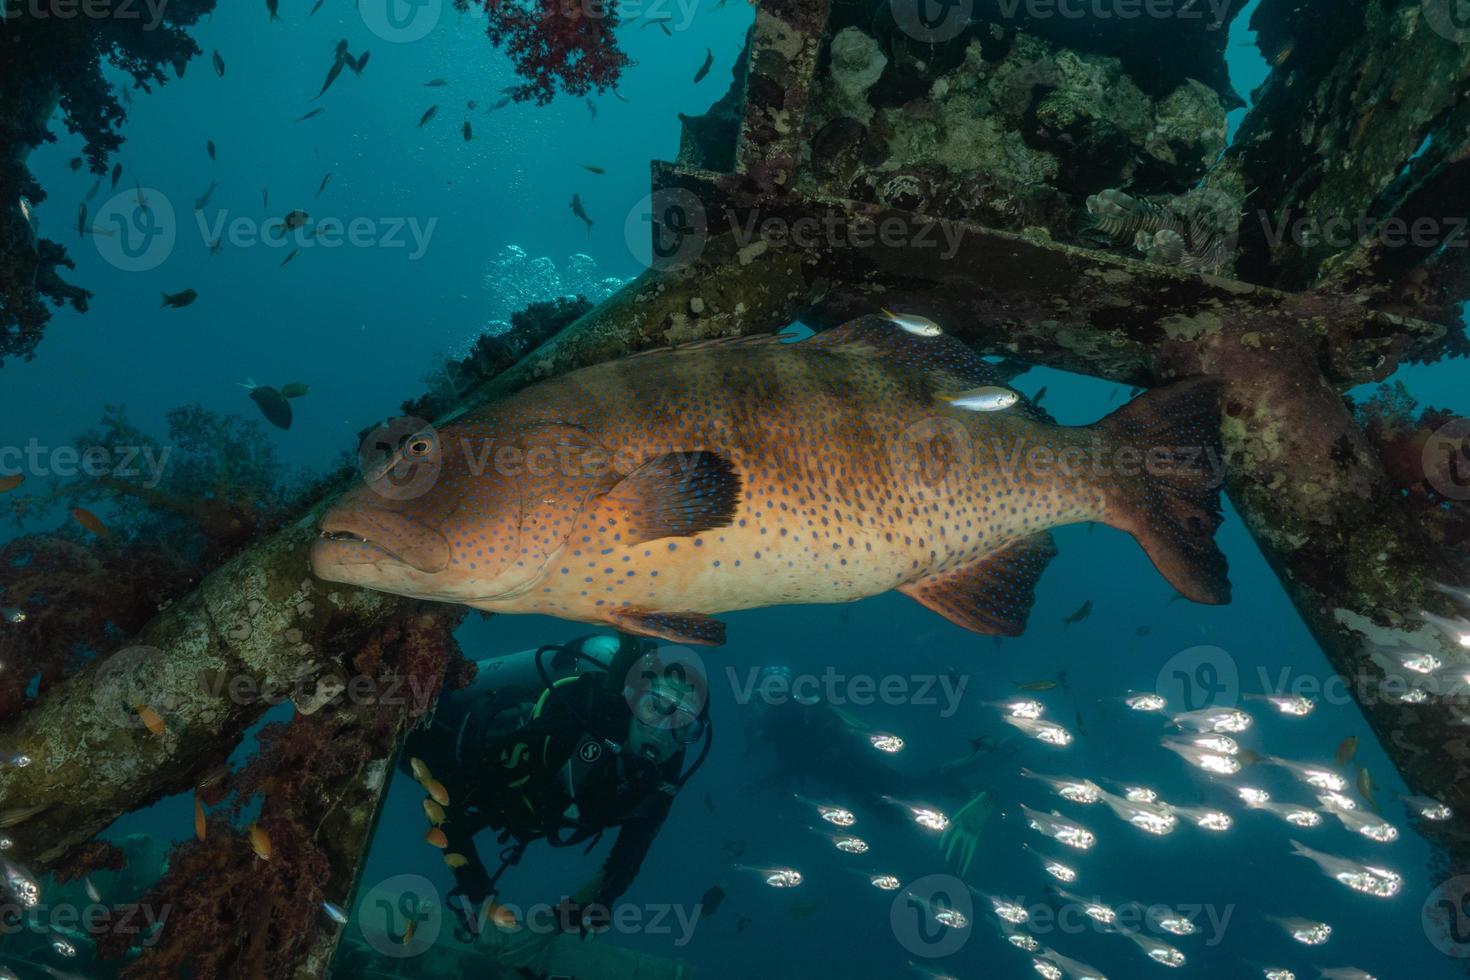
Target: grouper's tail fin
{"points": [[1170, 499]]}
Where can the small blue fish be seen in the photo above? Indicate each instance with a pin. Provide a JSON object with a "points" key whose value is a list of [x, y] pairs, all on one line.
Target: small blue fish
{"points": [[335, 913]]}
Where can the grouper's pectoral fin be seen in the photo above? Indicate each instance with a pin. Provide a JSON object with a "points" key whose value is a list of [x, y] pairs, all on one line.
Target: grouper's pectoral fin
{"points": [[993, 595], [671, 495], [677, 627]]}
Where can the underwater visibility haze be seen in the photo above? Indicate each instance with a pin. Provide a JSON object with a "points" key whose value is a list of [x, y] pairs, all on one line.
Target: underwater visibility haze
{"points": [[727, 488]]}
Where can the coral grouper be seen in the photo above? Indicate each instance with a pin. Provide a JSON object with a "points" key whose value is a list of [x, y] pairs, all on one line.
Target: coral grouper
{"points": [[651, 492]]}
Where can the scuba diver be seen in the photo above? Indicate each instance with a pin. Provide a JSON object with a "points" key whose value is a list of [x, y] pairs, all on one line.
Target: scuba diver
{"points": [[817, 742], [560, 744]]}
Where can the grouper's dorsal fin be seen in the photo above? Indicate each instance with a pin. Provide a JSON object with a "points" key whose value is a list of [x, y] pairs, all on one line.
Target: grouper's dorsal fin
{"points": [[712, 343], [942, 355], [954, 365]]}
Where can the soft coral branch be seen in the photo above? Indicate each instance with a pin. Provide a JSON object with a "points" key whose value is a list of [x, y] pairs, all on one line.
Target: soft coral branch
{"points": [[555, 43]]}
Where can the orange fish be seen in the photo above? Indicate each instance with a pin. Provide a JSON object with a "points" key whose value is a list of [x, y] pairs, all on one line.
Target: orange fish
{"points": [[408, 933], [260, 842], [456, 860], [436, 790], [433, 811], [503, 917], [91, 522], [11, 482], [747, 473], [436, 837], [151, 719], [200, 827]]}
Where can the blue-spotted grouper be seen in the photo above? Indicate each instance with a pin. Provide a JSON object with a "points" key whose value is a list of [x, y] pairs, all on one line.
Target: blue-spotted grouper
{"points": [[652, 492]]}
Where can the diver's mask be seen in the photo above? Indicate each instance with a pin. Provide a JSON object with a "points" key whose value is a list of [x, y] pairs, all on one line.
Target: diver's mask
{"points": [[666, 718]]}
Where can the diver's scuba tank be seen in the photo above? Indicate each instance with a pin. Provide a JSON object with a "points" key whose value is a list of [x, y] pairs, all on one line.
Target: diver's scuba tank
{"points": [[592, 652]]}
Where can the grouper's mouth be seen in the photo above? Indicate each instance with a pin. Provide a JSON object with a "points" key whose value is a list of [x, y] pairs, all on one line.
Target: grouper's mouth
{"points": [[376, 537]]}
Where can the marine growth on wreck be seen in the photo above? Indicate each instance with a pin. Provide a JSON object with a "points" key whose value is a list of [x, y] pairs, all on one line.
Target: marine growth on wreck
{"points": [[814, 489]]}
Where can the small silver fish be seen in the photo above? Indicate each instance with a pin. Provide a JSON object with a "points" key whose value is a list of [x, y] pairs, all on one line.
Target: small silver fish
{"points": [[92, 891], [988, 398], [918, 325], [13, 615], [335, 913]]}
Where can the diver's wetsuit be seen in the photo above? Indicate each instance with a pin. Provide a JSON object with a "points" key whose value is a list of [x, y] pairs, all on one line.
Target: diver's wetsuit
{"points": [[538, 764]]}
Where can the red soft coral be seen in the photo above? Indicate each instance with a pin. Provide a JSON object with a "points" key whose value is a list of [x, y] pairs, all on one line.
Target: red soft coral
{"points": [[555, 42]]}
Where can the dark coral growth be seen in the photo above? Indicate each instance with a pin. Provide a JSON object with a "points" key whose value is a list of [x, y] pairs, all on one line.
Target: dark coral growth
{"points": [[79, 599], [1426, 455], [173, 509], [97, 855], [415, 657], [48, 62], [231, 913], [493, 353], [555, 43]]}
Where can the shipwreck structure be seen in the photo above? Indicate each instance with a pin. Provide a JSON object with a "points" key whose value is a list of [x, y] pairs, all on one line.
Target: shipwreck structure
{"points": [[1054, 192]]}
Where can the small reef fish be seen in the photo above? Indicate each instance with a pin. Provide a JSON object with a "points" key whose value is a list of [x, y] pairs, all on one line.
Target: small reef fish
{"points": [[91, 522], [1082, 613], [202, 202], [91, 889], [433, 811], [437, 792], [592, 108], [419, 769], [294, 390], [436, 837], [209, 148], [919, 326], [82, 220], [272, 403], [456, 860], [179, 300], [273, 7], [116, 174], [500, 103], [709, 61], [335, 913], [287, 260], [260, 842], [13, 615], [1346, 749], [581, 212], [201, 826], [219, 65], [311, 115], [710, 432], [498, 915], [592, 169], [436, 83], [151, 719], [468, 131], [325, 181], [8, 483], [428, 114], [987, 398]]}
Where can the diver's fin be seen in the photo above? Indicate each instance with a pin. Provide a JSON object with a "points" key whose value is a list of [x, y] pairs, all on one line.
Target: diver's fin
{"points": [[952, 364], [676, 627], [1172, 503], [672, 495], [993, 595]]}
